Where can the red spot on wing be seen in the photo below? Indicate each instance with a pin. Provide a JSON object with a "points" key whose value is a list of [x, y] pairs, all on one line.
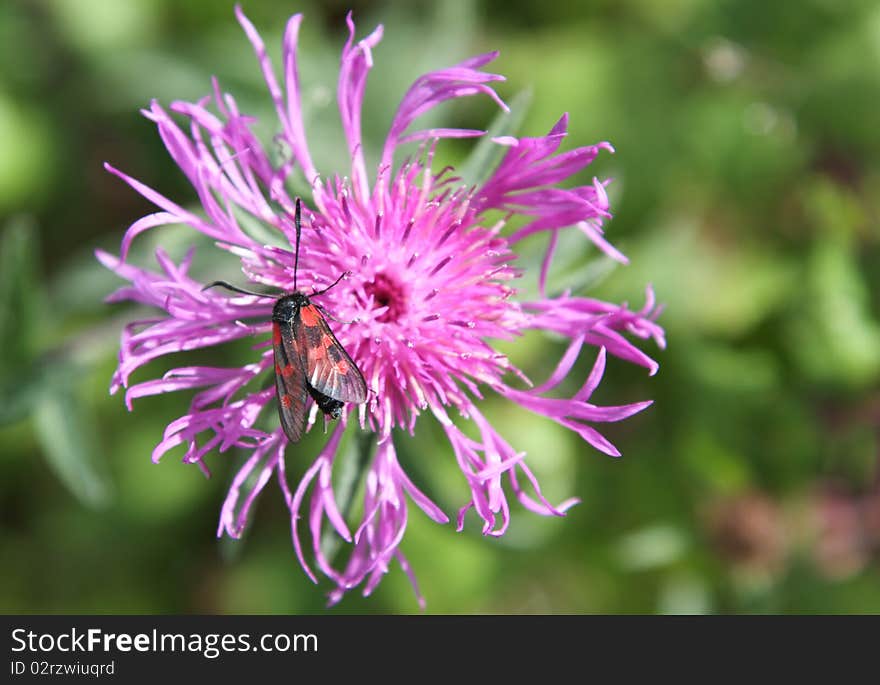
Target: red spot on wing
{"points": [[276, 334], [287, 371], [309, 315], [341, 366], [286, 401]]}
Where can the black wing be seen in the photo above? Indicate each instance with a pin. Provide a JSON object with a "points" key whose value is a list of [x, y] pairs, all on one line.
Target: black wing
{"points": [[328, 368], [290, 382]]}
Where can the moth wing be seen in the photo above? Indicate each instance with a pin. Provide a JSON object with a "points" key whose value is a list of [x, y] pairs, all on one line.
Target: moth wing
{"points": [[290, 382], [328, 367]]}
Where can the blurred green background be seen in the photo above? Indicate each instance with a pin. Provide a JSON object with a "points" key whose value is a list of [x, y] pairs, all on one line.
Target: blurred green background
{"points": [[746, 191]]}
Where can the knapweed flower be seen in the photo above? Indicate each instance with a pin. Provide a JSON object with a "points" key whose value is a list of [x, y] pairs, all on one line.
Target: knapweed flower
{"points": [[430, 285]]}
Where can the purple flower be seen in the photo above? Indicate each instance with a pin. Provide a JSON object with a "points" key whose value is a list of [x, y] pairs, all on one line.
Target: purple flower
{"points": [[430, 287]]}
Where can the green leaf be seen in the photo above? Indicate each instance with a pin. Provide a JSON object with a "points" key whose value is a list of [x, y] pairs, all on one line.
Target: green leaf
{"points": [[652, 547], [724, 290], [836, 337], [487, 155], [19, 294], [24, 389], [20, 392], [66, 436]]}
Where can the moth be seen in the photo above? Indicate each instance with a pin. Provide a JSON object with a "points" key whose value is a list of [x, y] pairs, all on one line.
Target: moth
{"points": [[309, 360]]}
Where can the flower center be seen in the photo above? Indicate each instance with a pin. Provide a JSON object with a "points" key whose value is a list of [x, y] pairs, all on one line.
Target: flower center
{"points": [[387, 292]]}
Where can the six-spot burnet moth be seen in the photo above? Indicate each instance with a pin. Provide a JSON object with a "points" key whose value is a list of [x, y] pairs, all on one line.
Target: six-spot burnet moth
{"points": [[309, 361]]}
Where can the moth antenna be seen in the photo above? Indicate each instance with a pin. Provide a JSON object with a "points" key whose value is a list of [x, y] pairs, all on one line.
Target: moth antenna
{"points": [[233, 288], [342, 275], [297, 221]]}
